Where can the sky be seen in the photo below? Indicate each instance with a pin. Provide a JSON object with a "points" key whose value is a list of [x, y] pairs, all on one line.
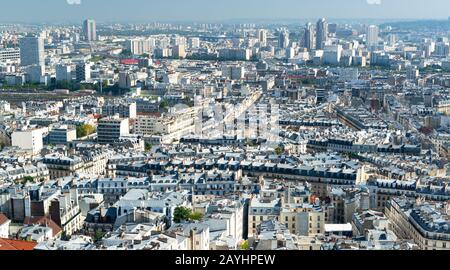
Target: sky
{"points": [[217, 10]]}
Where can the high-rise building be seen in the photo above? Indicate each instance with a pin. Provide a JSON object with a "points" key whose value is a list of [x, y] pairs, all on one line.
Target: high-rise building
{"points": [[194, 43], [179, 51], [372, 35], [35, 73], [309, 37], [90, 30], [83, 72], [283, 40], [262, 37], [321, 34], [32, 51], [63, 73], [140, 46]]}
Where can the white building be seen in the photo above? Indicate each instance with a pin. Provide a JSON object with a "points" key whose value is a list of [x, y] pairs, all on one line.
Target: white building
{"points": [[372, 35], [29, 140], [171, 127], [4, 226], [110, 129], [10, 55], [140, 46], [194, 43]]}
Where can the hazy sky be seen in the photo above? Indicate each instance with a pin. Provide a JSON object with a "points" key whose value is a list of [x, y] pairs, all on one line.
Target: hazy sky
{"points": [[202, 10]]}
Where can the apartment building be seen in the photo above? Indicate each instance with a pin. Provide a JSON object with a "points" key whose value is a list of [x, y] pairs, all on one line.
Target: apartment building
{"points": [[426, 223]]}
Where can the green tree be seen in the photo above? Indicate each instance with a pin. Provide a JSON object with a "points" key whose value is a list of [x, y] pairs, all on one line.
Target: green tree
{"points": [[98, 235], [195, 216], [164, 104], [27, 179], [126, 53], [85, 130], [148, 147], [181, 214], [245, 245], [279, 150]]}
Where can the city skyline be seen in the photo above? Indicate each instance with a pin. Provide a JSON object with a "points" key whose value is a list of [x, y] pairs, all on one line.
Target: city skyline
{"points": [[164, 134], [205, 10]]}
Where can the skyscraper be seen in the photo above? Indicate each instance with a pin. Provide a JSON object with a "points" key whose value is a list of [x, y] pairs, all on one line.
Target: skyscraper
{"points": [[90, 30], [262, 37], [32, 51], [321, 34], [309, 37], [283, 40], [372, 35]]}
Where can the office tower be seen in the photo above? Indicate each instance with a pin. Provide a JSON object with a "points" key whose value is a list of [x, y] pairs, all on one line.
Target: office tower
{"points": [[63, 73], [35, 73], [392, 39], [372, 35], [32, 51], [83, 72], [332, 28], [179, 51], [262, 37], [194, 43], [321, 33], [309, 37], [283, 40], [90, 30]]}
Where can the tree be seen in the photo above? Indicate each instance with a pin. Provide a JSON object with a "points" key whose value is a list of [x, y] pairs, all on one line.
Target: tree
{"points": [[98, 235], [279, 150], [181, 214], [126, 53], [195, 216], [164, 104], [65, 237], [85, 130], [244, 245], [148, 147], [27, 179]]}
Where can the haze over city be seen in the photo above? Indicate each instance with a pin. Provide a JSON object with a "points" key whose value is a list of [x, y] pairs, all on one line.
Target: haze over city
{"points": [[213, 125], [218, 10]]}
